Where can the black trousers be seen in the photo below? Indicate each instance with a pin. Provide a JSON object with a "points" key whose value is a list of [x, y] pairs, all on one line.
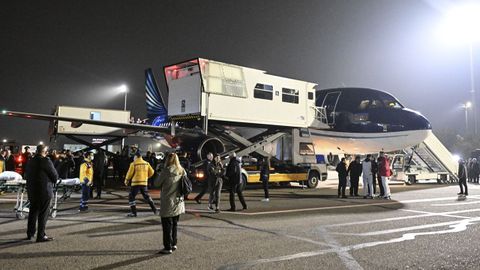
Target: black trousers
{"points": [[342, 185], [463, 183], [169, 226], [354, 185], [144, 191], [265, 188], [379, 180], [39, 210], [236, 188]]}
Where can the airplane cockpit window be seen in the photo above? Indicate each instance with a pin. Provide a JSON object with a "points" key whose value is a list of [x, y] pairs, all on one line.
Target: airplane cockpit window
{"points": [[390, 102], [375, 104], [364, 104]]}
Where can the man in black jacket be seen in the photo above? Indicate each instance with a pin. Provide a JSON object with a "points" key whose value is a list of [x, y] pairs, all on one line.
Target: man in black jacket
{"points": [[209, 178], [40, 176], [234, 175], [355, 170], [342, 178], [99, 170]]}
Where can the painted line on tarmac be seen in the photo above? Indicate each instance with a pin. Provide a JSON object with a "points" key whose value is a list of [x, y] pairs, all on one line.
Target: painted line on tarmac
{"points": [[345, 206], [454, 204], [344, 255], [8, 200], [413, 228], [145, 207], [432, 213], [455, 228]]}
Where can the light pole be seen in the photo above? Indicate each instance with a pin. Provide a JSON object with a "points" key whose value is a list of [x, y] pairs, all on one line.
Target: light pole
{"points": [[466, 106], [461, 24], [124, 89]]}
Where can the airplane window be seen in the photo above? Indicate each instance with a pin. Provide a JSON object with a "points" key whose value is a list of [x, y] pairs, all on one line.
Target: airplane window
{"points": [[376, 104]]}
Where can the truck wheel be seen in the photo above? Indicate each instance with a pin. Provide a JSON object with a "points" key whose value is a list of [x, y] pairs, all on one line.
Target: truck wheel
{"points": [[313, 179]]}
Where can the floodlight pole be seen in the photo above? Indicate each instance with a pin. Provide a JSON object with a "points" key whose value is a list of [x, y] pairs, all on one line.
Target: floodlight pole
{"points": [[472, 92], [466, 118]]}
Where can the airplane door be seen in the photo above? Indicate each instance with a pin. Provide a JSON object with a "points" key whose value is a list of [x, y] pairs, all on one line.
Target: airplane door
{"points": [[330, 104]]}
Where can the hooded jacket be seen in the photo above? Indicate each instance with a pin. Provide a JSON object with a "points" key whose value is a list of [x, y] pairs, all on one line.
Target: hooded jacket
{"points": [[86, 172], [171, 203]]}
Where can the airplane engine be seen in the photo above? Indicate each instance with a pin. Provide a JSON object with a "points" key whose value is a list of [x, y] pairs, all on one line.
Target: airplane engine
{"points": [[200, 146]]}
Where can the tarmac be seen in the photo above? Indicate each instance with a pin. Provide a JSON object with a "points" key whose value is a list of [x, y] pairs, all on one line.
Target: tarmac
{"points": [[424, 226]]}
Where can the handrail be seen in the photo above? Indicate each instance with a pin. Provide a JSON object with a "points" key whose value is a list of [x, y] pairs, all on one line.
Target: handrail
{"points": [[320, 114]]}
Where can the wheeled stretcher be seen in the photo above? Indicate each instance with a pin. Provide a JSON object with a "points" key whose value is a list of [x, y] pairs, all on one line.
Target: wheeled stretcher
{"points": [[63, 189]]}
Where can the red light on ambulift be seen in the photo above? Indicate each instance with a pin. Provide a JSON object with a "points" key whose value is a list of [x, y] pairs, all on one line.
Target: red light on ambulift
{"points": [[20, 159]]}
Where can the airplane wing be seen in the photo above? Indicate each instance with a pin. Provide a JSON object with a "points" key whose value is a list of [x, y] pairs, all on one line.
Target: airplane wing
{"points": [[77, 122]]}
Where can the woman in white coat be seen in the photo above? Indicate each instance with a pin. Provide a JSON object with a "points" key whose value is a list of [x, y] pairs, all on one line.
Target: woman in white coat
{"points": [[171, 202]]}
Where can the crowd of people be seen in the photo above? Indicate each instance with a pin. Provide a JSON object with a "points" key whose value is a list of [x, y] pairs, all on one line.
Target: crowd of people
{"points": [[372, 170]]}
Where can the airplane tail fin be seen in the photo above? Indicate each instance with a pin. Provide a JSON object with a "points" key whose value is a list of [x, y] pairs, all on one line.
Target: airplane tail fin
{"points": [[156, 102]]}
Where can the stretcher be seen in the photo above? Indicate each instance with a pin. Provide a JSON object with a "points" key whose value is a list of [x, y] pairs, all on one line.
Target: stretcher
{"points": [[62, 190]]}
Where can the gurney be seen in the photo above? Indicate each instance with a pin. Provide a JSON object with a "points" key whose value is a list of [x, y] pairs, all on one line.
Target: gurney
{"points": [[8, 176], [62, 190]]}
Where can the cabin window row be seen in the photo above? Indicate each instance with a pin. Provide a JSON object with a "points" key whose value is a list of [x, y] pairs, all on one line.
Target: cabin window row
{"points": [[265, 91]]}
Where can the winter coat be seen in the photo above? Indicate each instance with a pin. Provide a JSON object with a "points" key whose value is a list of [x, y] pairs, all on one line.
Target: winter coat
{"points": [[355, 169], [234, 172], [2, 164], [171, 203], [462, 172], [367, 166], [10, 163], [139, 172], [86, 172], [342, 170], [41, 176], [384, 167]]}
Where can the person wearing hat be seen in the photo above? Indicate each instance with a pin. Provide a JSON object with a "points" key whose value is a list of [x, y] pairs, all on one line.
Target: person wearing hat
{"points": [[86, 179], [41, 176], [462, 177]]}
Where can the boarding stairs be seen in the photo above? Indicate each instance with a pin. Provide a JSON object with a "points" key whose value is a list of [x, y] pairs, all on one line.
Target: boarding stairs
{"points": [[435, 157]]}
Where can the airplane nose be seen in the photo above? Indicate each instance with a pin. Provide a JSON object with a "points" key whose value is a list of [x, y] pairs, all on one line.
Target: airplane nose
{"points": [[417, 121]]}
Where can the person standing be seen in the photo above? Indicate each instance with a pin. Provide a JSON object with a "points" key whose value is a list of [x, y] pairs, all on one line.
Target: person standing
{"points": [[2, 160], [368, 188], [475, 170], [86, 179], [234, 174], [385, 173], [342, 178], [209, 178], [171, 202], [26, 156], [41, 176], [137, 178], [64, 166], [9, 162], [264, 177], [355, 170], [462, 177], [152, 160], [215, 192], [99, 170], [377, 175]]}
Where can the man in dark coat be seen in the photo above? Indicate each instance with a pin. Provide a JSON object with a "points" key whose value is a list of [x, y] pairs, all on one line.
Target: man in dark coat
{"points": [[41, 176], [342, 178], [64, 166], [9, 162], [209, 178], [462, 177], [99, 170], [234, 175], [355, 170]]}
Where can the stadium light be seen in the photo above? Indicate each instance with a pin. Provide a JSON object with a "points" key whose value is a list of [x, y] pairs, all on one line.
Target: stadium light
{"points": [[124, 89]]}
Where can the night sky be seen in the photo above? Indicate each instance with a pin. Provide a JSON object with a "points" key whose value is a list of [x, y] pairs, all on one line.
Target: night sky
{"points": [[76, 52]]}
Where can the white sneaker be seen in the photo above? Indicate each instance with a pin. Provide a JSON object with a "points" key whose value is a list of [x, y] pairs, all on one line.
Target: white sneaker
{"points": [[266, 200]]}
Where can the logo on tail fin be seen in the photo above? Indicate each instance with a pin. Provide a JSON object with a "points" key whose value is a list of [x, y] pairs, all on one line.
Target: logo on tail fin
{"points": [[156, 110]]}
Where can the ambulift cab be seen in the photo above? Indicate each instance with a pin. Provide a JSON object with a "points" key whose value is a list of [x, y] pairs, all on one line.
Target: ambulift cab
{"points": [[250, 112]]}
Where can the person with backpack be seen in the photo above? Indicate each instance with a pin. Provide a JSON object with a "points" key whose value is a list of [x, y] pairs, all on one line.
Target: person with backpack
{"points": [[137, 179], [171, 201]]}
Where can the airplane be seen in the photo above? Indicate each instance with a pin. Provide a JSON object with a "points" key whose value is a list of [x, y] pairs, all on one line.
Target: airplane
{"points": [[355, 120]]}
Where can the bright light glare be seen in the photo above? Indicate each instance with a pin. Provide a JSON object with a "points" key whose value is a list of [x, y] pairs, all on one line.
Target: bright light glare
{"points": [[4, 140], [4, 111], [468, 104], [122, 88], [456, 157], [41, 143], [462, 24]]}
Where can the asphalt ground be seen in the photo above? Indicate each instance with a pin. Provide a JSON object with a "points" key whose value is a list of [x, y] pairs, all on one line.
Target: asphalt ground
{"points": [[424, 226]]}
